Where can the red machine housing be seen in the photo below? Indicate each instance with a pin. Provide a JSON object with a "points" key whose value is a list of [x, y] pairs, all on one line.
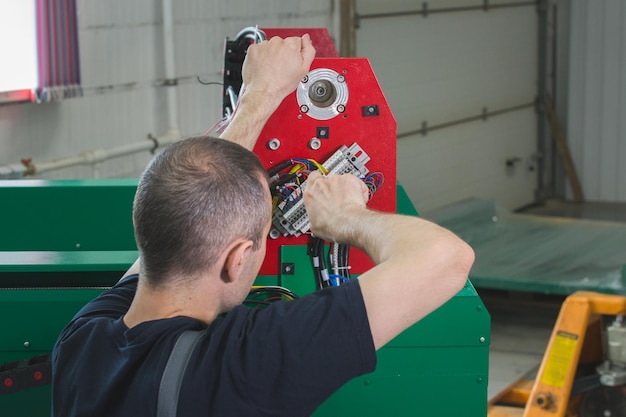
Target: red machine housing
{"points": [[366, 119]]}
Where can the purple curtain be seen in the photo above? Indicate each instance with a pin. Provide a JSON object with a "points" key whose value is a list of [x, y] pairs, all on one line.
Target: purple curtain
{"points": [[57, 45]]}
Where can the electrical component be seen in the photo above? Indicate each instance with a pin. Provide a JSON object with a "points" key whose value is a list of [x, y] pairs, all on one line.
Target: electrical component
{"points": [[322, 94], [290, 217]]}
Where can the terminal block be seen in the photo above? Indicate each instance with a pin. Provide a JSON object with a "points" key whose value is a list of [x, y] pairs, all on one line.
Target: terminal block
{"points": [[290, 217]]}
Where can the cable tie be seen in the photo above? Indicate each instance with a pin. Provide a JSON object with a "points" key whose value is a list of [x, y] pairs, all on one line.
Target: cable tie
{"points": [[325, 276], [348, 267]]}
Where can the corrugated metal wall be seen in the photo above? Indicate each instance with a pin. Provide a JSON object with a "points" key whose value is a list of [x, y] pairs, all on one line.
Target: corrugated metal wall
{"points": [[596, 117], [441, 67], [122, 62]]}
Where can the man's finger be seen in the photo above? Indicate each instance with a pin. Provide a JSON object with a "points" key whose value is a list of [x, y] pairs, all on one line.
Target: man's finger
{"points": [[314, 176], [308, 51]]}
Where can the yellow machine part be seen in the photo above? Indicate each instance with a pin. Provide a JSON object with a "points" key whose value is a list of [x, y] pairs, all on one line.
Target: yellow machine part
{"points": [[576, 339]]}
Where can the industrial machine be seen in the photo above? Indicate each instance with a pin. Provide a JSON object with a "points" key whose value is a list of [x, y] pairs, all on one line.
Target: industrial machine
{"points": [[583, 371], [77, 239]]}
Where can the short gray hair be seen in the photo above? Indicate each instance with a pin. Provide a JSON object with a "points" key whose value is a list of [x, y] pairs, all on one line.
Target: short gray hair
{"points": [[195, 198]]}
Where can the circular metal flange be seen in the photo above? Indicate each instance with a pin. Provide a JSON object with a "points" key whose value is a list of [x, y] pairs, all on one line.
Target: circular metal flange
{"points": [[324, 93]]}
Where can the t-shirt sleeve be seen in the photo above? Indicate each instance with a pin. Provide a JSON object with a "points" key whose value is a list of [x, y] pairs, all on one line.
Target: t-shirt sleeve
{"points": [[114, 302], [293, 355]]}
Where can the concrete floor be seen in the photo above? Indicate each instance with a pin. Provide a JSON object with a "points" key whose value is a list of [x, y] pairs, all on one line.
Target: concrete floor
{"points": [[522, 322]]}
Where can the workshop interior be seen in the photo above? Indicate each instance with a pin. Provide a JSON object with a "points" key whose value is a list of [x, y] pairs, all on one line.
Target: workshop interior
{"points": [[500, 120]]}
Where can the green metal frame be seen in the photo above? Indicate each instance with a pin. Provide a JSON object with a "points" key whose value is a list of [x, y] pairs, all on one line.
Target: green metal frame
{"points": [[416, 370], [66, 240]]}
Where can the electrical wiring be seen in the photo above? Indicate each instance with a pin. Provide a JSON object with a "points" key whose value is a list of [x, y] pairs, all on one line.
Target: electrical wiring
{"points": [[275, 290], [316, 253], [299, 168], [256, 303], [337, 280], [297, 165], [251, 33], [207, 82], [374, 181], [287, 186], [213, 127], [232, 96], [275, 170], [287, 183], [309, 164], [244, 38], [344, 252], [333, 256], [338, 259], [263, 296]]}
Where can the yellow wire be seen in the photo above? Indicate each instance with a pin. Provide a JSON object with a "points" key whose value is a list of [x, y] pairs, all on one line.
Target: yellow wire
{"points": [[319, 166], [297, 168]]}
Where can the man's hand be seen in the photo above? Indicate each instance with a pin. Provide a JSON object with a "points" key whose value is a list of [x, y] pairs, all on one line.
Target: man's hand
{"points": [[329, 199], [272, 69]]}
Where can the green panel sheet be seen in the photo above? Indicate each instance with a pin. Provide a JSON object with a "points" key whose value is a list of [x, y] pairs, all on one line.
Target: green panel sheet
{"points": [[537, 253]]}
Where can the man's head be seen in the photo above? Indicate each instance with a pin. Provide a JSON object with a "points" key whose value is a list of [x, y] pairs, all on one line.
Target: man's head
{"points": [[194, 199]]}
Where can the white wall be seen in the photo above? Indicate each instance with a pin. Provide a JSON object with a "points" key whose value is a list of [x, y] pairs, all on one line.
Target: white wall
{"points": [[596, 114], [448, 66], [435, 69], [121, 47]]}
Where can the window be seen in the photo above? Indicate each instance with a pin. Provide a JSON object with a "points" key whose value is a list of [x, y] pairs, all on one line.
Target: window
{"points": [[18, 46], [39, 49]]}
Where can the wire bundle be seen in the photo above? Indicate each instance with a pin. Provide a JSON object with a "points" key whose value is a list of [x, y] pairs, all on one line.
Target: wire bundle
{"points": [[337, 261], [374, 181], [287, 185], [339, 265], [246, 36], [262, 296]]}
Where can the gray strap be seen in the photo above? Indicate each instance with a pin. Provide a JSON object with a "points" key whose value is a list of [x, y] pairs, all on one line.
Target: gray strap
{"points": [[171, 381]]}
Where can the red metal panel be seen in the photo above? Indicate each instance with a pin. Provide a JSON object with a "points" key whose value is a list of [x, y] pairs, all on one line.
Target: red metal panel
{"points": [[376, 134]]}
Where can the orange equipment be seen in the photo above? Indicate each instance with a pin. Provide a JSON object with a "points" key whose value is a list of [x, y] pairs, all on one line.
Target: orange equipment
{"points": [[583, 371]]}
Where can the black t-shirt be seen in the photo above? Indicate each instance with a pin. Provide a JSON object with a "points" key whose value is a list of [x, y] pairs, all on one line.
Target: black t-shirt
{"points": [[283, 360]]}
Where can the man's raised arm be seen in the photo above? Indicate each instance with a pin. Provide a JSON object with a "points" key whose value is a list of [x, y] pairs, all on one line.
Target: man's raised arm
{"points": [[271, 70], [419, 265]]}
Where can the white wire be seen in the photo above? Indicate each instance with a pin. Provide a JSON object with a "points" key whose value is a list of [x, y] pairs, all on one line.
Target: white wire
{"points": [[257, 36]]}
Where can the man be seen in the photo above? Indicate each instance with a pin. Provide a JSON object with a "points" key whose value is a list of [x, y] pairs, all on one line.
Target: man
{"points": [[202, 213]]}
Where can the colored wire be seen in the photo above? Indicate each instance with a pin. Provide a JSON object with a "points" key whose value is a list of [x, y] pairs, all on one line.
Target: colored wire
{"points": [[286, 181], [274, 291], [374, 181], [263, 296]]}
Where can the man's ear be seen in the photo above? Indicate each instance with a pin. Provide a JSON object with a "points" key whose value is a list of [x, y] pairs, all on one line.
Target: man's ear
{"points": [[237, 255]]}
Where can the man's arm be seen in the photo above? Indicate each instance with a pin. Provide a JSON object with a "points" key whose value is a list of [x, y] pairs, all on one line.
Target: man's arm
{"points": [[272, 70], [419, 265]]}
